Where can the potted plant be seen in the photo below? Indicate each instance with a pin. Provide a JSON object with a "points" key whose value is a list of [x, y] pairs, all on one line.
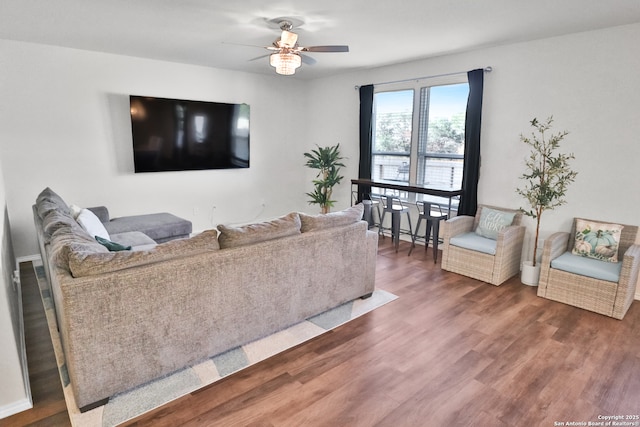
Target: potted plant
{"points": [[547, 176], [328, 161]]}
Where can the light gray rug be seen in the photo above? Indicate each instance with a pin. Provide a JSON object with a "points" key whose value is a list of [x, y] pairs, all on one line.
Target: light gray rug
{"points": [[133, 403]]}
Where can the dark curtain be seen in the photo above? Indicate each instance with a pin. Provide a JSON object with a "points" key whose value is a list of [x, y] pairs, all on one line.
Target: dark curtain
{"points": [[366, 113], [471, 169]]}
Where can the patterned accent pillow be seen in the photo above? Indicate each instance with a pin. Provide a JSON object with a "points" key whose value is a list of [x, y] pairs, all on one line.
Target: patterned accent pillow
{"points": [[492, 222], [231, 237], [333, 219], [597, 240]]}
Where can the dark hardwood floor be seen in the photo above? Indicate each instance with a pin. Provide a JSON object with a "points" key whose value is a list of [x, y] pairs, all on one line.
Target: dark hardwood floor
{"points": [[451, 351], [49, 408]]}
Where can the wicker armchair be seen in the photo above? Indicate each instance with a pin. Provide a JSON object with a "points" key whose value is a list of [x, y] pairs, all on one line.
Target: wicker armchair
{"points": [[491, 268], [606, 297]]}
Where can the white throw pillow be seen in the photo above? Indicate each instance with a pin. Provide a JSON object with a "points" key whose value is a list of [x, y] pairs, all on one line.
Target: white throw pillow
{"points": [[75, 211], [90, 222]]}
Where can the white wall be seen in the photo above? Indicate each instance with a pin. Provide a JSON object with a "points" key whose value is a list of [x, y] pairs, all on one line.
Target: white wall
{"points": [[588, 82], [65, 124]]}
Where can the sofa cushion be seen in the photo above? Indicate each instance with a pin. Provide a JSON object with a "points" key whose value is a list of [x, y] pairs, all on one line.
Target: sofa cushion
{"points": [[584, 266], [49, 200], [57, 219], [231, 237], [160, 227], [45, 207], [493, 221], [474, 242], [86, 263], [90, 222], [67, 239], [333, 219], [597, 240], [135, 239]]}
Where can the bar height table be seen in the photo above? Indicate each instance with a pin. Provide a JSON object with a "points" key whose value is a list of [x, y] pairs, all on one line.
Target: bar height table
{"points": [[410, 188]]}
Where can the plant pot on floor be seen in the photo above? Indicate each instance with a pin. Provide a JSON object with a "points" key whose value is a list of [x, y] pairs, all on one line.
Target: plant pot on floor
{"points": [[530, 275]]}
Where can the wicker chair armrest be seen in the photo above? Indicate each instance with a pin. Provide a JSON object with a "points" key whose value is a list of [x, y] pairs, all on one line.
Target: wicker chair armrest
{"points": [[457, 225], [630, 266], [510, 240], [554, 246], [628, 281]]}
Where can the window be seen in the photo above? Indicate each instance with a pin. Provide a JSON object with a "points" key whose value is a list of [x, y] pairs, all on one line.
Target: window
{"points": [[418, 134], [392, 117]]}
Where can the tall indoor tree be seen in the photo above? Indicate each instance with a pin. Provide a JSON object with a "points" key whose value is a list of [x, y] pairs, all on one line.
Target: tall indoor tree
{"points": [[547, 174]]}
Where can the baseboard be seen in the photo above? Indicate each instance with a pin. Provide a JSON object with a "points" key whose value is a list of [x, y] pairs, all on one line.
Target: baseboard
{"points": [[15, 407], [28, 258]]}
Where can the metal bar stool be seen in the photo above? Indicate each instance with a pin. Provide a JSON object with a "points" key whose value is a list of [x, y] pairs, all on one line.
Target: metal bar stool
{"points": [[370, 206], [393, 204], [432, 213]]}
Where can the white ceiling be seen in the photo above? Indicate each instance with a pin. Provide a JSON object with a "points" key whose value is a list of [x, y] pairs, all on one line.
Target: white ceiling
{"points": [[212, 32]]}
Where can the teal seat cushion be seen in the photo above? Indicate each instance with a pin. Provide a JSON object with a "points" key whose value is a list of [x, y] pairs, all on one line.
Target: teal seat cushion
{"points": [[474, 242], [601, 270]]}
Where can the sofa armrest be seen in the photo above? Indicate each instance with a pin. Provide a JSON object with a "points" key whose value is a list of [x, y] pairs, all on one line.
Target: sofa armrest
{"points": [[101, 212]]}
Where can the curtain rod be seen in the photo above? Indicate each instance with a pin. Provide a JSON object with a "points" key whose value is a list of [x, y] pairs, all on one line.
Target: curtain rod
{"points": [[486, 70]]}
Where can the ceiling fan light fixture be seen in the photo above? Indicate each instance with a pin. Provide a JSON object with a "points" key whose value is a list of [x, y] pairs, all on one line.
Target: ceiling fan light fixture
{"points": [[285, 63], [288, 39]]}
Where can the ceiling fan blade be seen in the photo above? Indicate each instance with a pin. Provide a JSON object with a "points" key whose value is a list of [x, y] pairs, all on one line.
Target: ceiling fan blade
{"points": [[242, 44], [336, 48], [259, 57], [307, 59]]}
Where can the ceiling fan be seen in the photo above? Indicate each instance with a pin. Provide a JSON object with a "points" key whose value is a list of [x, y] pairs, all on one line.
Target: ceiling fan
{"points": [[288, 55]]}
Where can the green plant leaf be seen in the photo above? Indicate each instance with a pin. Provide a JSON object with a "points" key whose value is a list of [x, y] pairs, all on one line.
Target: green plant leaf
{"points": [[547, 173], [328, 162]]}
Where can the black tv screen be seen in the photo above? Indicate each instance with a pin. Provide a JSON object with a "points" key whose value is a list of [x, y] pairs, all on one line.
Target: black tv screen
{"points": [[178, 135]]}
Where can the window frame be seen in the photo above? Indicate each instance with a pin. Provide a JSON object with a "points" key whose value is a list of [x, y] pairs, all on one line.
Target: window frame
{"points": [[414, 152]]}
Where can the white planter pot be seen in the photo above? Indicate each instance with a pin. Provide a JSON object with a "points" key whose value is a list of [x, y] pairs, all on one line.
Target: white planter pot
{"points": [[530, 275]]}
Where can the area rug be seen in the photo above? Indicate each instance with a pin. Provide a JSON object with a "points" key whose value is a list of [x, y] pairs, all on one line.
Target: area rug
{"points": [[133, 403]]}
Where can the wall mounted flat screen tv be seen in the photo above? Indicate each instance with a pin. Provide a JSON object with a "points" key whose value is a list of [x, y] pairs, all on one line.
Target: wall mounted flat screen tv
{"points": [[178, 135]]}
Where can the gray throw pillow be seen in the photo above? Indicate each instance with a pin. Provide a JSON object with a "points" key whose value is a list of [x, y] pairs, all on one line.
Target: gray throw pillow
{"points": [[492, 222], [333, 219]]}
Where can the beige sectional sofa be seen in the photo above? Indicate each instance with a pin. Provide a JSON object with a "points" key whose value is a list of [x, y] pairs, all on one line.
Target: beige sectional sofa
{"points": [[128, 317]]}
